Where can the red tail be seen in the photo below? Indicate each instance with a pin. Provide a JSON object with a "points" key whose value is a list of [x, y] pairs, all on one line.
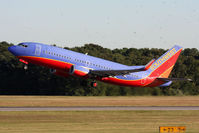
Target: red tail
{"points": [[163, 66]]}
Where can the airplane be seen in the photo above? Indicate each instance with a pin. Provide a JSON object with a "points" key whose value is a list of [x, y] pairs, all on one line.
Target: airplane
{"points": [[66, 63]]}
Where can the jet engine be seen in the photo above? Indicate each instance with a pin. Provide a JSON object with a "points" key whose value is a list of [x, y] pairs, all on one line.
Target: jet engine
{"points": [[78, 71]]}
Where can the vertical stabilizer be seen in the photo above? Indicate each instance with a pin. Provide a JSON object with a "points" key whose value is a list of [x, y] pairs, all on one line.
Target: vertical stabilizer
{"points": [[163, 66]]}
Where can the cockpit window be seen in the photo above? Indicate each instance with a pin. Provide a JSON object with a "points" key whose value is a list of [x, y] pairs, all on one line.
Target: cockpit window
{"points": [[23, 45]]}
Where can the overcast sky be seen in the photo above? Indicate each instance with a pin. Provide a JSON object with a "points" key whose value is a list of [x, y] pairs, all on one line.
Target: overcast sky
{"points": [[109, 23]]}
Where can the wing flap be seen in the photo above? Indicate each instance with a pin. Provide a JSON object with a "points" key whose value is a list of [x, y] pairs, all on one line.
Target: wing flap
{"points": [[107, 73]]}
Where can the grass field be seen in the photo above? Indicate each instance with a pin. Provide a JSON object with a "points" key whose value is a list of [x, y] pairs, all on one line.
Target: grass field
{"points": [[30, 101], [96, 121]]}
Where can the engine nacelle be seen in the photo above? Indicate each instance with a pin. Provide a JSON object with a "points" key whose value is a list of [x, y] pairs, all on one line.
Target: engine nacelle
{"points": [[78, 71]]}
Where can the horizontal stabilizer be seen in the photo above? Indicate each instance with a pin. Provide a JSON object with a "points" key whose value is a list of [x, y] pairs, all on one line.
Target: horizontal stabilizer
{"points": [[175, 79]]}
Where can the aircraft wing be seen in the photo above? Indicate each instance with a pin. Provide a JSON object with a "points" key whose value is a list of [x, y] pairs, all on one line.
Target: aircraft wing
{"points": [[107, 73], [175, 79]]}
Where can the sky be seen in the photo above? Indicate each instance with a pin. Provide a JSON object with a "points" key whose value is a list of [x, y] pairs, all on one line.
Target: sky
{"points": [[109, 23]]}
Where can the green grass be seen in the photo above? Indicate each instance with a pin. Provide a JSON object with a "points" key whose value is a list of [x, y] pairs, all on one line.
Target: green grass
{"points": [[96, 121]]}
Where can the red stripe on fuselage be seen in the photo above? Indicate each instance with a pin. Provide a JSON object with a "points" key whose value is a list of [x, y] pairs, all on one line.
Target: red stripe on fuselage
{"points": [[51, 63], [64, 66]]}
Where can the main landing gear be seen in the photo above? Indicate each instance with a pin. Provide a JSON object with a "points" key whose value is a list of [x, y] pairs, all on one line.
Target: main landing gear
{"points": [[94, 84]]}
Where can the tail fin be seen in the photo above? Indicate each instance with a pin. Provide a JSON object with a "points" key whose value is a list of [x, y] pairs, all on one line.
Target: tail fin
{"points": [[163, 66]]}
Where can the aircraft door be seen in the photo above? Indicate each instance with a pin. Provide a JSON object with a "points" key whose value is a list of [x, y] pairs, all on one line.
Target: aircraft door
{"points": [[143, 80], [37, 49]]}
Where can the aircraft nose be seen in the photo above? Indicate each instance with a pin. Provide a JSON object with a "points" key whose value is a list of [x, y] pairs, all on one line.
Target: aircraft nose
{"points": [[12, 49]]}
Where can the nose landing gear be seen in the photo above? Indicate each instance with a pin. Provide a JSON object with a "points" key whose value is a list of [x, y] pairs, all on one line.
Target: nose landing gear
{"points": [[25, 62], [25, 67]]}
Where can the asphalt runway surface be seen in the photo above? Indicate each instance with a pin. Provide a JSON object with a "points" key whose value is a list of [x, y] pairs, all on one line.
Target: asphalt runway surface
{"points": [[105, 108]]}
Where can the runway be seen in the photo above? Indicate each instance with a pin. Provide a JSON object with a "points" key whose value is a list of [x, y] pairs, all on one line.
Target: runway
{"points": [[104, 108]]}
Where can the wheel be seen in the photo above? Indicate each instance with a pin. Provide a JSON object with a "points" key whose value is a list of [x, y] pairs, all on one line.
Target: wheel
{"points": [[25, 67], [94, 84]]}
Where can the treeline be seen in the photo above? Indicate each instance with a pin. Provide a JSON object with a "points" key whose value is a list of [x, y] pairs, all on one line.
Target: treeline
{"points": [[14, 80]]}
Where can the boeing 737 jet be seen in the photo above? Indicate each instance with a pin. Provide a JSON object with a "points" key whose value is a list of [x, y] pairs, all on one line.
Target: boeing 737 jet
{"points": [[66, 63]]}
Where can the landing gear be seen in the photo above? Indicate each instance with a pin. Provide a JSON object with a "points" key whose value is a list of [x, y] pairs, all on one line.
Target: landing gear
{"points": [[25, 62], [25, 67], [94, 84]]}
